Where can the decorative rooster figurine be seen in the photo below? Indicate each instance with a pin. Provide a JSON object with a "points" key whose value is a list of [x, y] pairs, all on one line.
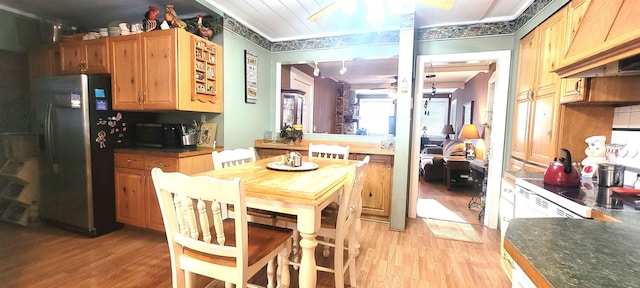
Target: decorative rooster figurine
{"points": [[172, 18], [150, 19], [205, 32]]}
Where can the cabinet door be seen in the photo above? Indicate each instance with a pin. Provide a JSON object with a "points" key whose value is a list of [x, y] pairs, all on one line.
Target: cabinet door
{"points": [[130, 196], [551, 34], [126, 78], [159, 70], [543, 126], [527, 64], [153, 218], [520, 128], [97, 56], [44, 61], [72, 57], [376, 191], [267, 153]]}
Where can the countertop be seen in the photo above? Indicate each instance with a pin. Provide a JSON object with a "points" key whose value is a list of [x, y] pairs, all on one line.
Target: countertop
{"points": [[168, 152], [562, 252], [575, 252], [354, 147]]}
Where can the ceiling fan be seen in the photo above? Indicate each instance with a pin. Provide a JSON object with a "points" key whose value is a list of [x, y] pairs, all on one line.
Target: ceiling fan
{"points": [[442, 4]]}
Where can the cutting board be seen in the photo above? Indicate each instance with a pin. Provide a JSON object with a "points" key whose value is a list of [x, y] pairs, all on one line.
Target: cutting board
{"points": [[207, 135]]}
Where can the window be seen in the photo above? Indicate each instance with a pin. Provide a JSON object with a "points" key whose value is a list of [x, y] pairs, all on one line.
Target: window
{"points": [[375, 114], [436, 115]]}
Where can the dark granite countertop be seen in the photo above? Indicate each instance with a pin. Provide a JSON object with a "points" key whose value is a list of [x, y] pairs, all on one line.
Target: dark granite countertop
{"points": [[579, 253]]}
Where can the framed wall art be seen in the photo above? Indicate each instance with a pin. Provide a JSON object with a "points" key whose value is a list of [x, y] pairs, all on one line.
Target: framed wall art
{"points": [[251, 77]]}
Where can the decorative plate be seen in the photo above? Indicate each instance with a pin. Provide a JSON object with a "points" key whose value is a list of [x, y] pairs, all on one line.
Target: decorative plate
{"points": [[306, 166]]}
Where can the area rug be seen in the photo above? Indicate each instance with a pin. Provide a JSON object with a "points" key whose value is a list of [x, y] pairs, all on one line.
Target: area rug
{"points": [[453, 230], [432, 209]]}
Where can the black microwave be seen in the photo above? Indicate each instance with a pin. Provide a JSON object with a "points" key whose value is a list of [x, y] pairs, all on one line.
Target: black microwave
{"points": [[158, 135]]}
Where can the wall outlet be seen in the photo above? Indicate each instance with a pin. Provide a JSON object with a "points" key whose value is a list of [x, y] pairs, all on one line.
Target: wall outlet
{"points": [[203, 118]]}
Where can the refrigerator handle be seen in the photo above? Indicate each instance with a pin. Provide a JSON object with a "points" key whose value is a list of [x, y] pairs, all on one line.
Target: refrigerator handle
{"points": [[48, 139]]}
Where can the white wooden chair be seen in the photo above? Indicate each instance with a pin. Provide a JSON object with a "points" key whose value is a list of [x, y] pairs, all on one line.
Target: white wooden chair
{"points": [[229, 158], [202, 241], [233, 157], [328, 151], [340, 225]]}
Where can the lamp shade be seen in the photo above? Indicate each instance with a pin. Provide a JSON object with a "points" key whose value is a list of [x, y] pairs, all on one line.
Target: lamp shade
{"points": [[469, 131], [448, 129]]}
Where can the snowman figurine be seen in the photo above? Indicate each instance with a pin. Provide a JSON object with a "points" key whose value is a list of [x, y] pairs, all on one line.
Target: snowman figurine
{"points": [[595, 155]]}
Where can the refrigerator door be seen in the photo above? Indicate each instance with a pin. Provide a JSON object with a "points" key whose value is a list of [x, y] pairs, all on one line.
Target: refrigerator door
{"points": [[62, 115]]}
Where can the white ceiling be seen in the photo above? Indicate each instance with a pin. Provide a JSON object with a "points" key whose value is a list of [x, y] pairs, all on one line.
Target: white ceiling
{"points": [[279, 20]]}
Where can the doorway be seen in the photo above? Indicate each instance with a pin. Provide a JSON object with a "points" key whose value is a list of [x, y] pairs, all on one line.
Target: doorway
{"points": [[497, 129]]}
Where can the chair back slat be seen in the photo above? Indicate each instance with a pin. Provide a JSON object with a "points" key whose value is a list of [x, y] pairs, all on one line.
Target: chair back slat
{"points": [[228, 158], [328, 151]]}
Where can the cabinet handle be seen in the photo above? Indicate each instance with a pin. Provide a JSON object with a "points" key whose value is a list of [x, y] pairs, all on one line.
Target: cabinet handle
{"points": [[370, 194], [130, 161], [505, 219], [578, 85], [140, 98], [160, 164], [506, 190], [83, 66]]}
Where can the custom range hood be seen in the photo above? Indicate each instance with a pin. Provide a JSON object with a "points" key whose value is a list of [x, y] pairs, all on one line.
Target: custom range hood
{"points": [[606, 41]]}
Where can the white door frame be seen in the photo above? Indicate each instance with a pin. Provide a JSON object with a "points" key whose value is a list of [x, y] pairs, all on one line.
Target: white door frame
{"points": [[498, 128]]}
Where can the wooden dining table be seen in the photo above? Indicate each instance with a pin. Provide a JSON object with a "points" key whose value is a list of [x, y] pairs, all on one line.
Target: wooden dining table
{"points": [[300, 193]]}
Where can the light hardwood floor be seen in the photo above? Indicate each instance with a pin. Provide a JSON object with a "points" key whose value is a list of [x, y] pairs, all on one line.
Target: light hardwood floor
{"points": [[42, 256]]}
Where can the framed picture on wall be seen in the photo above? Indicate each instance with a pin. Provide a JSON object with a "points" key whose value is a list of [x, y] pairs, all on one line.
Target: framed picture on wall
{"points": [[251, 77]]}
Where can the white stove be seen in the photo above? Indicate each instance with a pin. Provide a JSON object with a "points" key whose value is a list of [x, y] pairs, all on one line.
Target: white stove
{"points": [[536, 199]]}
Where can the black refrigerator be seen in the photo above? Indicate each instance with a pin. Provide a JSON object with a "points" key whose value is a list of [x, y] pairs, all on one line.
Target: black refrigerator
{"points": [[78, 132]]}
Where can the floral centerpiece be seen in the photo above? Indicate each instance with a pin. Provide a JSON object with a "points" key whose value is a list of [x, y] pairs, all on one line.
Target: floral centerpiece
{"points": [[291, 132]]}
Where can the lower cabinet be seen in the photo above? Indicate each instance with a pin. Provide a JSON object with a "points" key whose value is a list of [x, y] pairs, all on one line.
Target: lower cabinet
{"points": [[136, 201], [376, 192], [507, 209]]}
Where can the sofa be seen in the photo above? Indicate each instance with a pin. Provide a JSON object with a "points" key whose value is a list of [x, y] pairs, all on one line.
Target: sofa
{"points": [[432, 162]]}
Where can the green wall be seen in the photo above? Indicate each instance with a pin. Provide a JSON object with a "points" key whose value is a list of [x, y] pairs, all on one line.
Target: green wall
{"points": [[243, 123]]}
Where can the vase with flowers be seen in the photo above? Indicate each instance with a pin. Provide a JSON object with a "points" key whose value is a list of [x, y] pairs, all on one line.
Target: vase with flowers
{"points": [[291, 132]]}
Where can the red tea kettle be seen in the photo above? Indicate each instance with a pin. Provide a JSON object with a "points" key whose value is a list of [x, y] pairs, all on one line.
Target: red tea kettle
{"points": [[560, 172]]}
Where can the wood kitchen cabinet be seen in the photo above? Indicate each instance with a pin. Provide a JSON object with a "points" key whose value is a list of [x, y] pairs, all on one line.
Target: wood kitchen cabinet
{"points": [[44, 61], [376, 191], [155, 71], [573, 89], [136, 201], [85, 56], [537, 98]]}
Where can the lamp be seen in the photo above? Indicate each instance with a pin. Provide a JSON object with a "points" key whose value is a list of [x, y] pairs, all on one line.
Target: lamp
{"points": [[446, 130], [468, 132], [343, 69], [316, 71]]}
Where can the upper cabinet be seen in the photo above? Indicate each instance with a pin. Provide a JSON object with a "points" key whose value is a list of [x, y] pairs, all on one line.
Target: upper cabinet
{"points": [[157, 71], [609, 31], [44, 61], [86, 56], [537, 100], [574, 89]]}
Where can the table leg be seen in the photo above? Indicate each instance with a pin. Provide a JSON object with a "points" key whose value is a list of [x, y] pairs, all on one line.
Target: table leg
{"points": [[308, 226]]}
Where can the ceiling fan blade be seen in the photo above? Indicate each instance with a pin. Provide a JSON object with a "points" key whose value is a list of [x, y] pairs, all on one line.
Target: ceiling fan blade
{"points": [[324, 11], [442, 4]]}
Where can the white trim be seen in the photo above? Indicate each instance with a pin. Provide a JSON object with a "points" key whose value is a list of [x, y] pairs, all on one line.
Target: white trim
{"points": [[503, 62]]}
